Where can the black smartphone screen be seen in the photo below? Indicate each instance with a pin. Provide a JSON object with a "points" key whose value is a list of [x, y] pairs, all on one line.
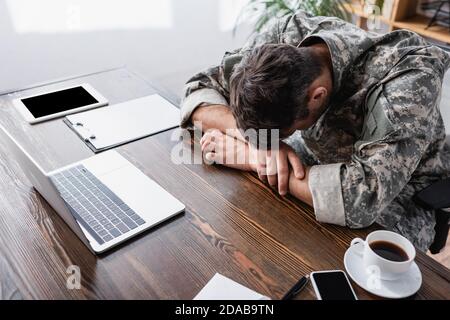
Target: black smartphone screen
{"points": [[333, 286], [59, 101]]}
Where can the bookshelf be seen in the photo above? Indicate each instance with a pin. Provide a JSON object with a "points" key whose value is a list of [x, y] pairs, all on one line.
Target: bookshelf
{"points": [[403, 16]]}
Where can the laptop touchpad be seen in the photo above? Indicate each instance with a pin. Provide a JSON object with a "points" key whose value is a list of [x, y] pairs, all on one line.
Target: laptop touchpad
{"points": [[143, 195]]}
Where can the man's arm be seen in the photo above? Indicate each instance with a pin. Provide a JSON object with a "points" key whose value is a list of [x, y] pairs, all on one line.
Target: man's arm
{"points": [[300, 188], [204, 90]]}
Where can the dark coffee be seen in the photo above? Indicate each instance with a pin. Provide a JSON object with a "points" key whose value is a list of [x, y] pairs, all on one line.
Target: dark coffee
{"points": [[389, 251]]}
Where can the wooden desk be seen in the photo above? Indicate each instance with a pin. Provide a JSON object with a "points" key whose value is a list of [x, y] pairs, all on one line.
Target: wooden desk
{"points": [[233, 224]]}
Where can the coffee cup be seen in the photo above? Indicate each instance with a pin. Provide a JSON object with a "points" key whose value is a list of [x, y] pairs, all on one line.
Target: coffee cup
{"points": [[386, 252]]}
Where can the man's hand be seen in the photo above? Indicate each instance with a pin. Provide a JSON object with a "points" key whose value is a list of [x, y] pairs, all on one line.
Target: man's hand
{"points": [[274, 165]]}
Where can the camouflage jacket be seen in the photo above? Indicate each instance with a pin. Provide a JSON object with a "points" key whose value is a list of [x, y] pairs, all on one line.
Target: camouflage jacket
{"points": [[382, 138]]}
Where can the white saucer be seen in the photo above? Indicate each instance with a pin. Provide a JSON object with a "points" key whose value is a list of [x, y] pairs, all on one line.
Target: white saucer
{"points": [[406, 286]]}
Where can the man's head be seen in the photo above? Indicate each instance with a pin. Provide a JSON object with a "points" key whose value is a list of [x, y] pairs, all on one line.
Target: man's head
{"points": [[279, 86]]}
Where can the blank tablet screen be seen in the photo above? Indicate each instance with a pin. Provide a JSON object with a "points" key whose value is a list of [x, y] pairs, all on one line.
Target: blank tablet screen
{"points": [[55, 102]]}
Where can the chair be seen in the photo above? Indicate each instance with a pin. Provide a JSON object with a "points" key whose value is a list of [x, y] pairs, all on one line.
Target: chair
{"points": [[437, 197]]}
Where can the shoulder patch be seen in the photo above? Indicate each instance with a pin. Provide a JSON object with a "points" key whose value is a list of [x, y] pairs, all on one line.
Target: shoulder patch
{"points": [[376, 123]]}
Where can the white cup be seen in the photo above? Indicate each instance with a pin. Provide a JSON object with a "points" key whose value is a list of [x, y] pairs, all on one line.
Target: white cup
{"points": [[388, 269]]}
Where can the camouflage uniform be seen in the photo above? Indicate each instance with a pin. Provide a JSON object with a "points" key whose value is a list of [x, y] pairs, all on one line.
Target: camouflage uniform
{"points": [[381, 139]]}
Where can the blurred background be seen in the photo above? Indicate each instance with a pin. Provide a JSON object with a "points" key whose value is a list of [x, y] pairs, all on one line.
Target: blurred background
{"points": [[163, 40]]}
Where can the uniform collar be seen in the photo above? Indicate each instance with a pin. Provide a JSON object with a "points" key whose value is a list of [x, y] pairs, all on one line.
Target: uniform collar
{"points": [[345, 47]]}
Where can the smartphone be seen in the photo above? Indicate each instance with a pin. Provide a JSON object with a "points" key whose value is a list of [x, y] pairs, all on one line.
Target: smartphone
{"points": [[53, 104], [332, 285]]}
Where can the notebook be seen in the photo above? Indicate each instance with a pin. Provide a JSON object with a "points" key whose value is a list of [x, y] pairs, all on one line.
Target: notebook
{"points": [[108, 127], [223, 288]]}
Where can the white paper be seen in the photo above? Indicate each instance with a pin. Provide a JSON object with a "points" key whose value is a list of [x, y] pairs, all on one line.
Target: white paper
{"points": [[222, 288], [127, 121]]}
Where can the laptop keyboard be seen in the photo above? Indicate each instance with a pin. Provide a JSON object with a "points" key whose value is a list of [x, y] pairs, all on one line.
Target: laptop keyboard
{"points": [[104, 215]]}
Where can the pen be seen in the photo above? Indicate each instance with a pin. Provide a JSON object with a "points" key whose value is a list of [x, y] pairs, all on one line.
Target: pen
{"points": [[296, 288]]}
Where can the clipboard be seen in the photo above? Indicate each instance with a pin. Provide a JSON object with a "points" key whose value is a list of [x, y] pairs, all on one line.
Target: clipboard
{"points": [[109, 127]]}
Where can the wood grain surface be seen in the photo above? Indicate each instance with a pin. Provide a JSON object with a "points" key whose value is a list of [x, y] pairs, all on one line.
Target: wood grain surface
{"points": [[233, 224]]}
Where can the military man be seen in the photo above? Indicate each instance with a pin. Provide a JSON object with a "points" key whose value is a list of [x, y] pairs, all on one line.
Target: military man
{"points": [[358, 113]]}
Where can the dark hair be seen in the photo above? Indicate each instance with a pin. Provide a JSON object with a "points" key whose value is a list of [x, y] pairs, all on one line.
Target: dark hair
{"points": [[269, 87]]}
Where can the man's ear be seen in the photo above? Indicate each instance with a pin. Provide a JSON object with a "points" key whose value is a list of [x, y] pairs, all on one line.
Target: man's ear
{"points": [[317, 99]]}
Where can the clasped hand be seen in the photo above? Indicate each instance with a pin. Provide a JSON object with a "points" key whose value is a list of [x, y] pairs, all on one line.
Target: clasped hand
{"points": [[273, 166]]}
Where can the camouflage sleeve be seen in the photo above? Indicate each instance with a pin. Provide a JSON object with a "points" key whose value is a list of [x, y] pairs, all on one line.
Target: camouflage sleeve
{"points": [[297, 143], [400, 118], [211, 86]]}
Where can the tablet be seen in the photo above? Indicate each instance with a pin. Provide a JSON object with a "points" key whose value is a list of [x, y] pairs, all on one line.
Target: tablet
{"points": [[55, 104]]}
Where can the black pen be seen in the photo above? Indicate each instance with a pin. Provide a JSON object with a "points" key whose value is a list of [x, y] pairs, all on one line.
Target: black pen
{"points": [[296, 288]]}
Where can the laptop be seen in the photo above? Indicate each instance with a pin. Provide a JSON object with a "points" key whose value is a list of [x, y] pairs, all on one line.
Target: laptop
{"points": [[104, 199]]}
